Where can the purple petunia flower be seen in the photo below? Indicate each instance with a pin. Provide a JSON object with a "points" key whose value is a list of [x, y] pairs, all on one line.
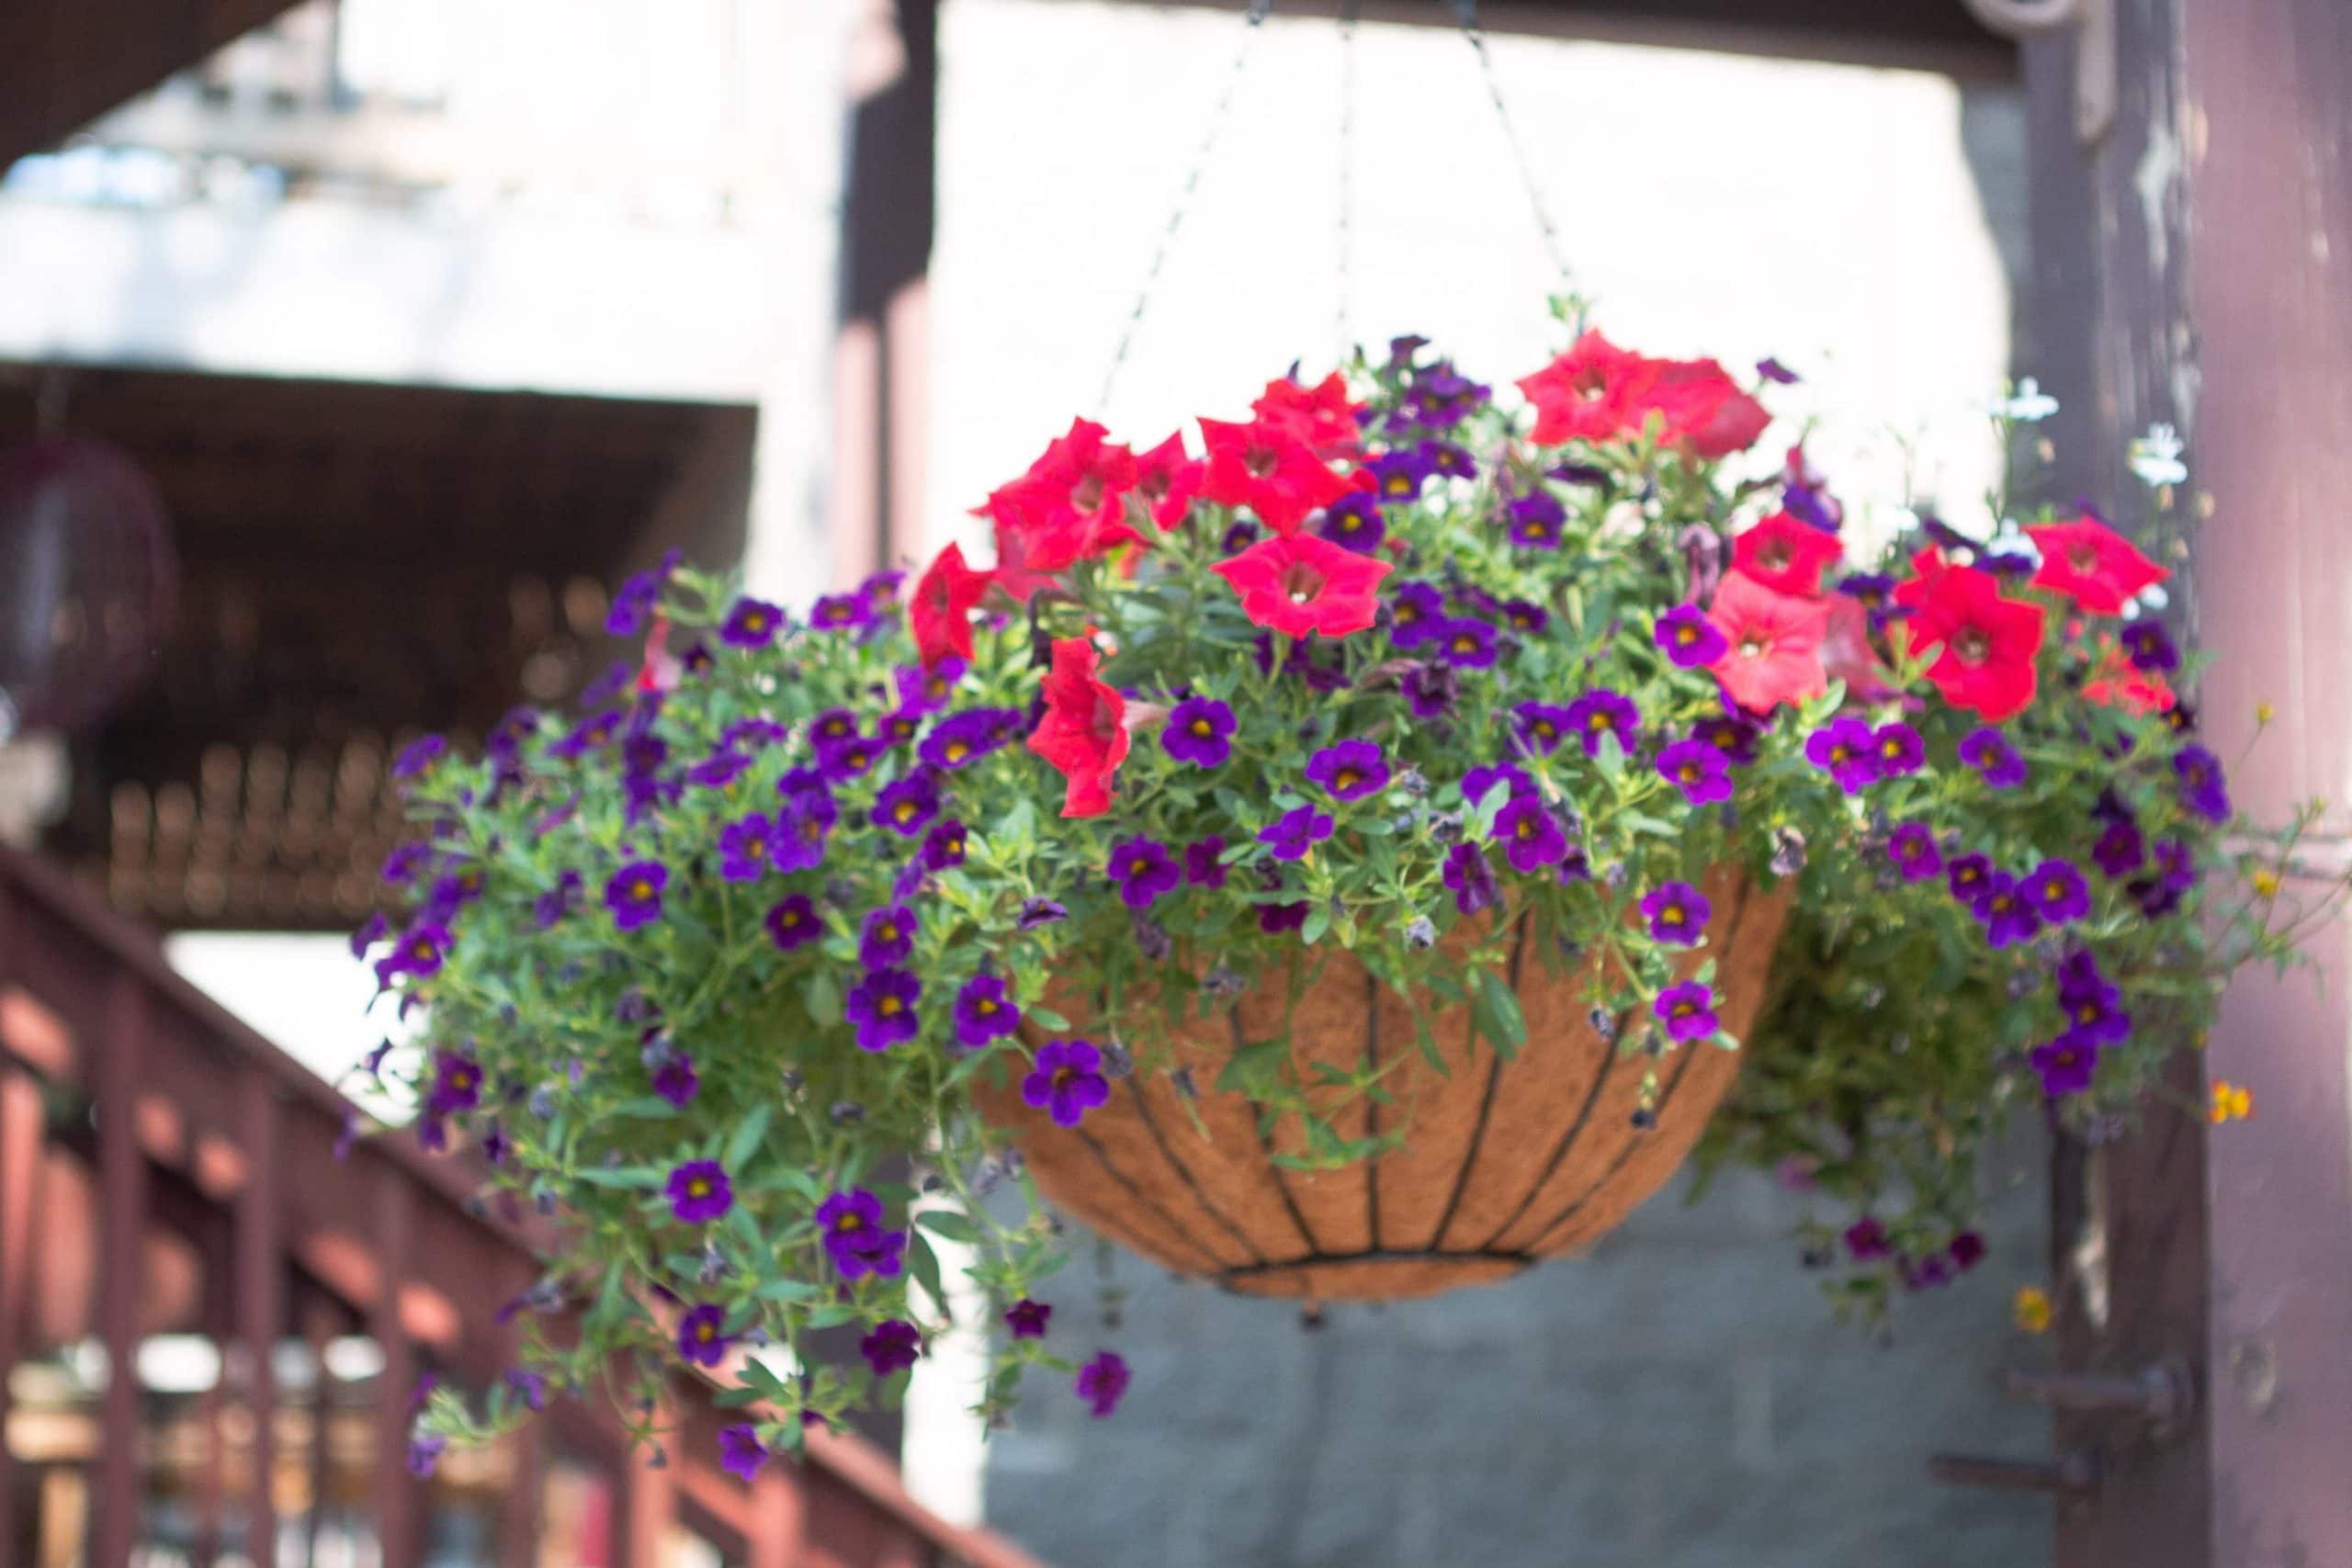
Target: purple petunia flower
{"points": [[1198, 731], [855, 1238], [1354, 522], [892, 1345], [2058, 892], [741, 1452], [1103, 1383], [417, 756], [984, 1012], [1541, 727], [907, 806], [702, 1334], [1027, 1319], [2094, 1012], [834, 727], [792, 922], [634, 892], [1874, 590], [1449, 460], [2121, 849], [1036, 912], [1067, 1080], [802, 825], [457, 1084], [840, 613], [2066, 1065], [421, 950], [1203, 862], [2202, 789], [882, 1005], [1430, 690], [886, 937], [745, 847], [1967, 876], [1398, 476], [1538, 521], [1897, 749], [943, 847], [1296, 833], [699, 1192], [1240, 536], [1842, 748], [1467, 643], [1349, 771], [1989, 752], [675, 1080], [752, 623], [1699, 769], [2151, 647], [1911, 847], [1529, 835], [2007, 914], [1866, 1240], [1416, 613], [851, 759], [1677, 913], [1143, 869], [1470, 877], [964, 737], [1692, 641], [1524, 616], [1686, 1011], [1732, 733], [1603, 712]]}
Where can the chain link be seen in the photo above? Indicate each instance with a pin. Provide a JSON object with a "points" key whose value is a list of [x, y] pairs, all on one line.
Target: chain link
{"points": [[1466, 11], [1340, 325], [1221, 113]]}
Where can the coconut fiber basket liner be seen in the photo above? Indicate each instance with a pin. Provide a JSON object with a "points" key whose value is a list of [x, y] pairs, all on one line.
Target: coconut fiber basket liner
{"points": [[1505, 1163]]}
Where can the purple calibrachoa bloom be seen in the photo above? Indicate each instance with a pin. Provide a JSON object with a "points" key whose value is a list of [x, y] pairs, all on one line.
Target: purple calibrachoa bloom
{"points": [[834, 727], [699, 1192], [1479, 780], [675, 1080], [855, 1238], [1538, 521], [907, 806], [1036, 912], [421, 952], [964, 737], [2202, 790], [2121, 850], [802, 824], [1354, 522], [634, 601], [1541, 727], [1968, 876], [1897, 749], [634, 892], [417, 756], [851, 759], [375, 928], [1143, 869], [1296, 833], [1398, 476], [1067, 1081], [2058, 892], [1467, 643], [1700, 772], [1430, 690], [702, 1334], [893, 729], [1349, 771], [530, 1387], [1103, 1383], [1027, 1319], [882, 1005], [741, 1452], [1842, 748], [1203, 862], [1686, 1011], [751, 735], [2092, 1007], [405, 861], [2005, 910], [1967, 1250], [718, 770], [1603, 712], [457, 1084], [2150, 646], [2066, 1065], [745, 847], [840, 613], [1866, 1240], [943, 847], [424, 1451], [1677, 913], [886, 937], [1470, 877], [1449, 460], [892, 1345], [1274, 918], [1912, 848], [1416, 613], [752, 623], [1199, 731], [1529, 835], [792, 922], [1989, 752], [1732, 733], [1691, 640], [1524, 616], [985, 1010], [2176, 873]]}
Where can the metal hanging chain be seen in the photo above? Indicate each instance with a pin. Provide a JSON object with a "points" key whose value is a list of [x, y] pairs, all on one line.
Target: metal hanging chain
{"points": [[1201, 155], [1340, 331], [1466, 11]]}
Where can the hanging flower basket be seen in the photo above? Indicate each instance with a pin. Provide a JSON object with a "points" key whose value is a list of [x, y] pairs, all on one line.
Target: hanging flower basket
{"points": [[1515, 1154], [1350, 861]]}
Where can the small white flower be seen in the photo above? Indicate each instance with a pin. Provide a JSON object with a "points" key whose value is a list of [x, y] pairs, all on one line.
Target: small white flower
{"points": [[2010, 541], [2155, 457], [2154, 597], [2029, 405]]}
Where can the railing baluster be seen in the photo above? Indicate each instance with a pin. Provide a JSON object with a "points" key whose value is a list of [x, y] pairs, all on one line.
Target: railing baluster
{"points": [[779, 1517], [398, 1498], [21, 1149], [261, 1307], [122, 1228], [652, 1505]]}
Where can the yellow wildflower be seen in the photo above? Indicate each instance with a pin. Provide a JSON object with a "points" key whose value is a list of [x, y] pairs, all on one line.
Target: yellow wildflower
{"points": [[2264, 881], [2031, 1309], [2231, 1102], [2264, 713]]}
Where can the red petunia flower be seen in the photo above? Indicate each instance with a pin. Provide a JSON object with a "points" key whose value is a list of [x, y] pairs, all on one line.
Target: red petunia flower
{"points": [[1167, 480], [1302, 582], [1599, 392], [1084, 732], [1775, 652], [2115, 682], [1320, 415], [2092, 564], [1846, 654], [1265, 467], [1988, 643], [1069, 506], [1786, 556], [940, 614]]}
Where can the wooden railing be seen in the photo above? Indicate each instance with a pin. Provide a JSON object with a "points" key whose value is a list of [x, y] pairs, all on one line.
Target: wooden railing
{"points": [[191, 1108]]}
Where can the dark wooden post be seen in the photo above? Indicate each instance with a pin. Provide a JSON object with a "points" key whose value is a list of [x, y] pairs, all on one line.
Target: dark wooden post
{"points": [[260, 1307], [399, 1499], [122, 1233], [20, 1150], [2196, 264]]}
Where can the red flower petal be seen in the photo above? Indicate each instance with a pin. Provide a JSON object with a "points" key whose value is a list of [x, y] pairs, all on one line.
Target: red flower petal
{"points": [[1265, 467], [940, 614], [1775, 644], [1786, 556], [2092, 564], [1300, 583], [1084, 732], [1599, 393], [1986, 643]]}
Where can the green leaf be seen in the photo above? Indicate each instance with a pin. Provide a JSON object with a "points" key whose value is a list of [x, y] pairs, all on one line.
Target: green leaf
{"points": [[646, 1108], [642, 1177], [949, 1224], [1426, 1038], [1498, 1015], [785, 1291], [1319, 920], [823, 997], [746, 1141], [922, 1267], [1047, 1019]]}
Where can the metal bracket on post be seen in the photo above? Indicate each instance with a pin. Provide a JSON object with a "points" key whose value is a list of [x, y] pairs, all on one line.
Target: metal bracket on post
{"points": [[2097, 76]]}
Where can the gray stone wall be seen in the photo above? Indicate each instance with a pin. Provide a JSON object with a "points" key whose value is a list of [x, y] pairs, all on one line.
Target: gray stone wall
{"points": [[1677, 1398]]}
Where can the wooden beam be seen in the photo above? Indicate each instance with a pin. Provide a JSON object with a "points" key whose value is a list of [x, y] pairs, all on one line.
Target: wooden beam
{"points": [[122, 1233]]}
